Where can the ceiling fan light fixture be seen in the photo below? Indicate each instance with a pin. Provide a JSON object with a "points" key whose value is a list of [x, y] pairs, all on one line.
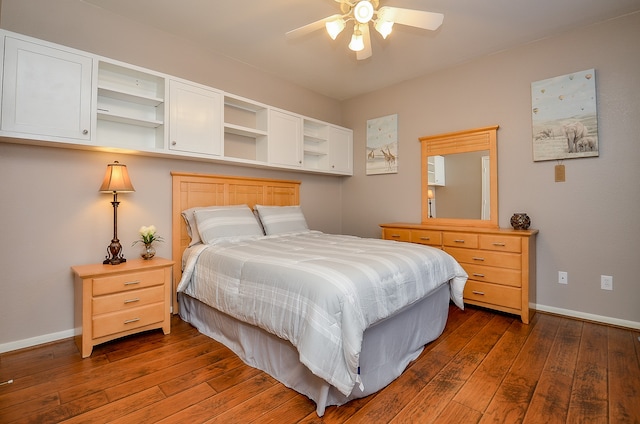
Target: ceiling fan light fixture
{"points": [[335, 27], [357, 42], [384, 27], [363, 11]]}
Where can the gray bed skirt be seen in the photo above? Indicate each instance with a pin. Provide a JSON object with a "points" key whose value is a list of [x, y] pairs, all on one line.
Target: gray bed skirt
{"points": [[387, 348]]}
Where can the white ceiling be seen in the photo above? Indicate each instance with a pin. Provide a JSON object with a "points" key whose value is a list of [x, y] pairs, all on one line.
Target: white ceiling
{"points": [[253, 32]]}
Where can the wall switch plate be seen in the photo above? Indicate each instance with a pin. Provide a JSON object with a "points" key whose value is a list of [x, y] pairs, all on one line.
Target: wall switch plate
{"points": [[606, 282], [563, 277]]}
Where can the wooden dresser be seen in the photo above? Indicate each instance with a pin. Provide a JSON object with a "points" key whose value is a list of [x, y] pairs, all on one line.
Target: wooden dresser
{"points": [[501, 263], [113, 301]]}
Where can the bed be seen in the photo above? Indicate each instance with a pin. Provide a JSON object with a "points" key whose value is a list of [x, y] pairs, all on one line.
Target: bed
{"points": [[333, 317]]}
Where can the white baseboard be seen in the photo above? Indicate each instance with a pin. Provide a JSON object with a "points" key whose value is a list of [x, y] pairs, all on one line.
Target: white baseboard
{"points": [[34, 341], [588, 317]]}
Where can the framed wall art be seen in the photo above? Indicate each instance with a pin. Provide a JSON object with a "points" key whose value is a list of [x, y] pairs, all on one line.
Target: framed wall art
{"points": [[382, 145], [564, 117]]}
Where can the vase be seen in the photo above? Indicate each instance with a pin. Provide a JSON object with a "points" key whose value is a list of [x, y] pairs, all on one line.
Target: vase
{"points": [[520, 221], [148, 252]]}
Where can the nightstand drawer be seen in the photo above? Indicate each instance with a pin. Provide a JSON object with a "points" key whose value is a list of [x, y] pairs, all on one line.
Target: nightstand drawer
{"points": [[433, 238], [106, 324], [505, 276], [128, 281], [486, 257], [466, 240], [494, 294], [500, 243], [127, 300], [396, 234]]}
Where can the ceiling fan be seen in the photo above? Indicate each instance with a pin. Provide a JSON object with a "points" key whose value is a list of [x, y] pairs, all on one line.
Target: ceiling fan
{"points": [[361, 13]]}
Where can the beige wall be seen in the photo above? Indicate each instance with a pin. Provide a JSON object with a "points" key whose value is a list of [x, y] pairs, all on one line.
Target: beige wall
{"points": [[53, 216], [588, 224]]}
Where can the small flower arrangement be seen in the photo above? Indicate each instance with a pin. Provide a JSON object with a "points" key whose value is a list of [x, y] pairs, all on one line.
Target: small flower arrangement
{"points": [[148, 235]]}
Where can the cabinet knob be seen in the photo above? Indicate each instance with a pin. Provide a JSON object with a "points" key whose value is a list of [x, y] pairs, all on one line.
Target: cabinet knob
{"points": [[173, 143], [85, 132]]}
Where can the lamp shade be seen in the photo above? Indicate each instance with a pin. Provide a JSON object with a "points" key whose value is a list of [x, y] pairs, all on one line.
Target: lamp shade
{"points": [[357, 42], [335, 27], [430, 194], [116, 179]]}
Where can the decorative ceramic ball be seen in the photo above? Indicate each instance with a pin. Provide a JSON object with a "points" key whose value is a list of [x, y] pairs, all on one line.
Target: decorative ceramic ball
{"points": [[520, 221]]}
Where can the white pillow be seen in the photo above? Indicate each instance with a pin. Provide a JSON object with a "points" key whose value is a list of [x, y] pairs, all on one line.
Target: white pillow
{"points": [[227, 223], [282, 219], [192, 226]]}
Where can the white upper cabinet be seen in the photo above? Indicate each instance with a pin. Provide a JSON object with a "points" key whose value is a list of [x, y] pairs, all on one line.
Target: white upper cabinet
{"points": [[340, 150], [285, 139], [46, 92], [435, 171], [195, 119], [59, 95]]}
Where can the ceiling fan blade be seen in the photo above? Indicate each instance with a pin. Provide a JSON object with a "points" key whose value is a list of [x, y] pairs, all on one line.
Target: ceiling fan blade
{"points": [[309, 28], [411, 17], [366, 38]]}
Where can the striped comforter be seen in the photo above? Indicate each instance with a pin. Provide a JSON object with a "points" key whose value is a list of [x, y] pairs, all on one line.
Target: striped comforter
{"points": [[318, 291]]}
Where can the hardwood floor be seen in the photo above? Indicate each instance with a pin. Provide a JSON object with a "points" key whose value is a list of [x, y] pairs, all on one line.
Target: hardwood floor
{"points": [[486, 367]]}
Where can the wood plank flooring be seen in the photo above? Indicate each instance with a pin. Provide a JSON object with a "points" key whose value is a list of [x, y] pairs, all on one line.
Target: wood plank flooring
{"points": [[486, 367]]}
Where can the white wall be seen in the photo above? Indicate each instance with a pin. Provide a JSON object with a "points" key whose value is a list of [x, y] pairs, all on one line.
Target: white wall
{"points": [[52, 213], [588, 224]]}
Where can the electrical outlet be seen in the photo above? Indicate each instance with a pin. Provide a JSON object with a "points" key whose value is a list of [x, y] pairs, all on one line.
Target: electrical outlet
{"points": [[606, 282], [563, 277]]}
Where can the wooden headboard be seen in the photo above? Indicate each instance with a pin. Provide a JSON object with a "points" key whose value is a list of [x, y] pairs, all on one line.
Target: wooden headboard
{"points": [[191, 190]]}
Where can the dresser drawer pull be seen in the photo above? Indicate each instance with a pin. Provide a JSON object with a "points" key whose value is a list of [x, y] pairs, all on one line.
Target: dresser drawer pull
{"points": [[459, 241], [478, 292], [425, 238], [475, 274], [395, 235], [137, 299], [131, 321], [476, 258], [131, 283], [499, 244]]}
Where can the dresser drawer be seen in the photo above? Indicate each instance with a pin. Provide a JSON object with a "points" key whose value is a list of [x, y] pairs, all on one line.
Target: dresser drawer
{"points": [[433, 238], [128, 281], [500, 243], [468, 240], [486, 257], [106, 324], [506, 276], [398, 234], [127, 300], [494, 294]]}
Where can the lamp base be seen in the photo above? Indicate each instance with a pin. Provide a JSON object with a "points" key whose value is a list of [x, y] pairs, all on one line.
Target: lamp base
{"points": [[114, 253]]}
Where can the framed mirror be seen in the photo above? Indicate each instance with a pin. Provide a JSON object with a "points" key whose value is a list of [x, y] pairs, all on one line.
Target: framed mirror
{"points": [[460, 178]]}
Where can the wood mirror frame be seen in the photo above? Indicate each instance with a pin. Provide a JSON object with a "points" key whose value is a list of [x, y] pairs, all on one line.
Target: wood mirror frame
{"points": [[473, 140]]}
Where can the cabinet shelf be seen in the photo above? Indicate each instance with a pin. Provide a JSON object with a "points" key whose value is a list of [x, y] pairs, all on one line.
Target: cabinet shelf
{"points": [[107, 116], [243, 131], [117, 94]]}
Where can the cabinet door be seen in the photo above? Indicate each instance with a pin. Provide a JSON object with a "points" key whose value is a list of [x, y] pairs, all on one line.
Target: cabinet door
{"points": [[195, 119], [46, 91], [341, 150], [285, 139]]}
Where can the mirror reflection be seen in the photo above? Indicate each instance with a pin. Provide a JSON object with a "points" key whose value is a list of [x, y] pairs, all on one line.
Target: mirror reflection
{"points": [[460, 185]]}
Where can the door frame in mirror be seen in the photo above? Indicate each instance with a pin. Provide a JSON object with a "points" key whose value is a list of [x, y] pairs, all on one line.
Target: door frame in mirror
{"points": [[472, 140]]}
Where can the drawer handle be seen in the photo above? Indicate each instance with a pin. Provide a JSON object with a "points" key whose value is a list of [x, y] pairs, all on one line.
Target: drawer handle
{"points": [[500, 244], [131, 283], [478, 292], [137, 299], [395, 235], [459, 241], [130, 321], [476, 258], [425, 238], [478, 275]]}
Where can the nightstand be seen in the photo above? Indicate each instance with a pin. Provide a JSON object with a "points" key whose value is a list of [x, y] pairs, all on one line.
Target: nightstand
{"points": [[113, 301]]}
